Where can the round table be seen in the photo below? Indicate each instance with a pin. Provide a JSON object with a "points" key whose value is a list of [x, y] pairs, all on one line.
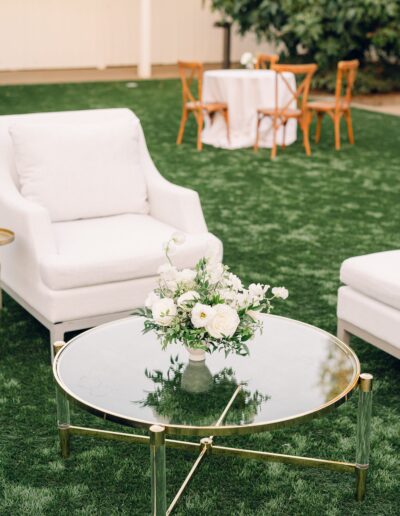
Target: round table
{"points": [[6, 237], [294, 372], [245, 91]]}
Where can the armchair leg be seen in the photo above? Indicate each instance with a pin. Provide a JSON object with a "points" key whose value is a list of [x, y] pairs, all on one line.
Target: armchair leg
{"points": [[57, 333], [342, 333]]}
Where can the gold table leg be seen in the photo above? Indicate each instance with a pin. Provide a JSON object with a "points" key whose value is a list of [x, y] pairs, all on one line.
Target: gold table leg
{"points": [[363, 434], [63, 416], [158, 479]]}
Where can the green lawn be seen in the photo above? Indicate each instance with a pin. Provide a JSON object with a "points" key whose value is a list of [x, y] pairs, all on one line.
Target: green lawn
{"points": [[289, 222]]}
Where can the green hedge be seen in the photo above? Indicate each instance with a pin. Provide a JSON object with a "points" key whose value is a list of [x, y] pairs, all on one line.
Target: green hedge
{"points": [[325, 32]]}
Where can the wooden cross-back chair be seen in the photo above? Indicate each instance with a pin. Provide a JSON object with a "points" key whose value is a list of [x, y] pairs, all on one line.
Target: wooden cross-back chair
{"points": [[280, 115], [190, 72], [340, 107], [264, 59]]}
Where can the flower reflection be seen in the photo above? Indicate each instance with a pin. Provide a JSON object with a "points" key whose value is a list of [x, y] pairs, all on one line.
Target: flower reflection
{"points": [[336, 373], [189, 394]]}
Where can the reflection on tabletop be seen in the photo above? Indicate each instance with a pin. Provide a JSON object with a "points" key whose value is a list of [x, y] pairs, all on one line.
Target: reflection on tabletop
{"points": [[189, 394]]}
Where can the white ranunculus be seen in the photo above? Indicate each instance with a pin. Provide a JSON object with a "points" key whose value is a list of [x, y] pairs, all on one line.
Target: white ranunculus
{"points": [[178, 238], [202, 315], [224, 323], [164, 311], [151, 299], [257, 292], [191, 295], [186, 276], [234, 282], [242, 299], [167, 272], [228, 295], [280, 292], [215, 271]]}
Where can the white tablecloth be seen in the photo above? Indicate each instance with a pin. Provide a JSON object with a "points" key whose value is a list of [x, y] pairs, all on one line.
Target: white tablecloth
{"points": [[245, 91]]}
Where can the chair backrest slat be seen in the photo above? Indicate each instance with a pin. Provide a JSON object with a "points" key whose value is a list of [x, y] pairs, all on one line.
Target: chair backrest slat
{"points": [[190, 72], [346, 73], [300, 94], [264, 59]]}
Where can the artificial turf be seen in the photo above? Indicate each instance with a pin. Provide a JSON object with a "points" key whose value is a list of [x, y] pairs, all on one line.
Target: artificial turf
{"points": [[290, 222]]}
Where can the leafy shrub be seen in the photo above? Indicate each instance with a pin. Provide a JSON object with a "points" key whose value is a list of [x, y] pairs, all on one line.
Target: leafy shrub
{"points": [[325, 32]]}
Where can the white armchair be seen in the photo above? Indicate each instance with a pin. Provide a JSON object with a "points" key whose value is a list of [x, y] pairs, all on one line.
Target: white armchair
{"points": [[369, 301], [72, 270]]}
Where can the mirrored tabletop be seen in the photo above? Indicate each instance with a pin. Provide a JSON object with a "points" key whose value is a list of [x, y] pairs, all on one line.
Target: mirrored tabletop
{"points": [[294, 371]]}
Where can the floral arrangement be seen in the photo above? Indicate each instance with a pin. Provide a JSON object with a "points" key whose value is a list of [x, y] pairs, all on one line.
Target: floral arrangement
{"points": [[207, 307], [248, 60]]}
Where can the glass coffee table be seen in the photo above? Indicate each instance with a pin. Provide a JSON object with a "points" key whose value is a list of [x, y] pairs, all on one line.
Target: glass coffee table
{"points": [[294, 372]]}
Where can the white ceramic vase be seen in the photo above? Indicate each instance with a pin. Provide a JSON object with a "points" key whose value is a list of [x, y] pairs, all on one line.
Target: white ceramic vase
{"points": [[196, 355]]}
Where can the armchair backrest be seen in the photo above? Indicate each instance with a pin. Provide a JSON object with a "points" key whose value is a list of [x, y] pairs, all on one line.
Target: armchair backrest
{"points": [[102, 118]]}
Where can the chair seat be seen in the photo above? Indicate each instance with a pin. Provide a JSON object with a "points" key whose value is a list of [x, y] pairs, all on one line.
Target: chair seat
{"points": [[327, 105], [117, 248], [207, 106], [288, 113], [375, 275]]}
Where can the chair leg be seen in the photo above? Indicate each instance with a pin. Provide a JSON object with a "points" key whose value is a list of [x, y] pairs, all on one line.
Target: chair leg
{"points": [[336, 122], [320, 116], [305, 125], [182, 127], [200, 121], [349, 127], [255, 147], [274, 131], [284, 136]]}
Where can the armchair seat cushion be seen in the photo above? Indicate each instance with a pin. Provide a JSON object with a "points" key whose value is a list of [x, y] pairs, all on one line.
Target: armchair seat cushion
{"points": [[117, 248], [375, 275]]}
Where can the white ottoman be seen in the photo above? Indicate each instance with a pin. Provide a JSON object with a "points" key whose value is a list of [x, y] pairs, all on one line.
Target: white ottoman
{"points": [[369, 302]]}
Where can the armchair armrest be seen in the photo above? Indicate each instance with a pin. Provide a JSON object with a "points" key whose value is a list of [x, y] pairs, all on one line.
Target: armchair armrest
{"points": [[175, 205], [33, 233]]}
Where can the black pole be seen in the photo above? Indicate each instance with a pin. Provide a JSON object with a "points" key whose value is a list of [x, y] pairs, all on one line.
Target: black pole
{"points": [[226, 59]]}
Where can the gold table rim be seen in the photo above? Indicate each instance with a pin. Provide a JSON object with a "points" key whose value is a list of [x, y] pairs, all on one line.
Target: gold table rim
{"points": [[193, 430]]}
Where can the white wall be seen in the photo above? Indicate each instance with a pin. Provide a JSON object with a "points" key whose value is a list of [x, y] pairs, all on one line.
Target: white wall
{"points": [[45, 34]]}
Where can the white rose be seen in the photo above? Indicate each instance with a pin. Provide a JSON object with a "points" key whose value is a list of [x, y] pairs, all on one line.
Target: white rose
{"points": [[202, 315], [151, 299], [186, 276], [164, 311], [280, 292], [178, 238], [191, 295], [224, 323]]}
